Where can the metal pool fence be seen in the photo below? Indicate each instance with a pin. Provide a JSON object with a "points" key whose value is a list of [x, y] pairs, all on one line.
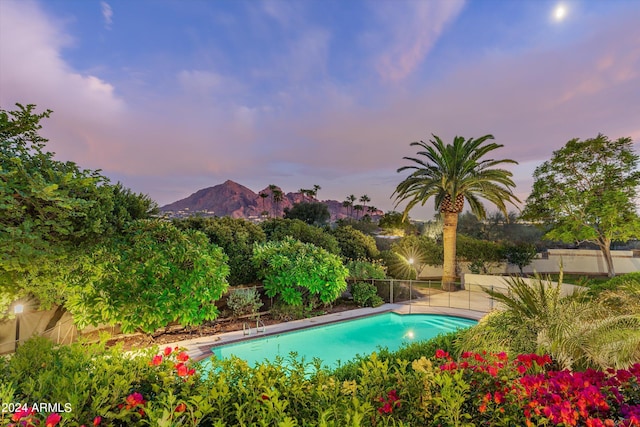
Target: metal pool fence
{"points": [[430, 293]]}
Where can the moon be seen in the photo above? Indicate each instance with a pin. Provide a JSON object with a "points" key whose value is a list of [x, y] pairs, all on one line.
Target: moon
{"points": [[560, 12]]}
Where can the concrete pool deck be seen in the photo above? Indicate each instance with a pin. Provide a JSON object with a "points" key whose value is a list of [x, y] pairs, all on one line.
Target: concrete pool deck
{"points": [[200, 348]]}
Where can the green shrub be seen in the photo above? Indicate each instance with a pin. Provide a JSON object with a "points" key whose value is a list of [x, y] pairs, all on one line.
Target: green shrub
{"points": [[354, 244], [298, 273], [366, 295], [244, 301], [363, 270], [350, 370]]}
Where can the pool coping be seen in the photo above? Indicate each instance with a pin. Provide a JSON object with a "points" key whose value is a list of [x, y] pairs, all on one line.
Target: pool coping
{"points": [[200, 348]]}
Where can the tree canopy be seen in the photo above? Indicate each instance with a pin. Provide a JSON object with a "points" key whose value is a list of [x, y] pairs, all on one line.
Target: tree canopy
{"points": [[300, 272], [587, 193], [150, 276], [51, 212], [313, 213], [236, 236]]}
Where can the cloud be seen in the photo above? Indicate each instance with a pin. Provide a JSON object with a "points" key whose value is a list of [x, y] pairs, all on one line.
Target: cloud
{"points": [[412, 29], [32, 72], [107, 14]]}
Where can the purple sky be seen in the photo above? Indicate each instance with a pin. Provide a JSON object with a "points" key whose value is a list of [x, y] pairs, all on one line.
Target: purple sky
{"points": [[169, 97]]}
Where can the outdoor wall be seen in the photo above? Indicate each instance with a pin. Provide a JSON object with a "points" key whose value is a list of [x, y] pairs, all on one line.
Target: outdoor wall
{"points": [[480, 280], [35, 322], [581, 261]]}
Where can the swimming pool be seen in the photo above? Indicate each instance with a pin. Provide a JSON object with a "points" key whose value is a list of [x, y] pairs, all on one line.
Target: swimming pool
{"points": [[341, 341]]}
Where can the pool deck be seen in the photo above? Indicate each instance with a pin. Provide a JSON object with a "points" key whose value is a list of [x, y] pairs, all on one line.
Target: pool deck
{"points": [[200, 348]]}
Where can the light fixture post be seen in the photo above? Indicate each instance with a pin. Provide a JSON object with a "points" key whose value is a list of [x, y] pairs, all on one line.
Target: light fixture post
{"points": [[17, 310]]}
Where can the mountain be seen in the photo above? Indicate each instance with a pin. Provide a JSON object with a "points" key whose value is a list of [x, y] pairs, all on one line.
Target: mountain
{"points": [[237, 201]]}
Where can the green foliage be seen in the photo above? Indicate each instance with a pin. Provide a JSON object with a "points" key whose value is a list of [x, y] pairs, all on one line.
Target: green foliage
{"points": [[366, 295], [354, 244], [244, 301], [362, 270], [297, 272], [482, 254], [520, 254], [350, 370], [394, 222], [448, 172], [153, 275], [279, 229], [587, 192], [421, 249], [92, 379], [577, 332], [312, 213], [236, 236], [52, 213]]}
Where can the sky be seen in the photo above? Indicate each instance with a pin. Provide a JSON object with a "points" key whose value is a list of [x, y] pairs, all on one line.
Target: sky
{"points": [[172, 96]]}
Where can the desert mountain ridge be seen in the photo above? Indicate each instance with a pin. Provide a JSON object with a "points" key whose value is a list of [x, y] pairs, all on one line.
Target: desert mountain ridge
{"points": [[237, 201]]}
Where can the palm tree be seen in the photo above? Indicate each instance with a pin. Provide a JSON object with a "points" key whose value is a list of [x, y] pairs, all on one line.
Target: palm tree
{"points": [[451, 174], [364, 199], [263, 196], [316, 187], [278, 197], [350, 199], [358, 209]]}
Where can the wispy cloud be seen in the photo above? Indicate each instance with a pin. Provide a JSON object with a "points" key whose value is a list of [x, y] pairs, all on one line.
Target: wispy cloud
{"points": [[107, 14], [412, 29]]}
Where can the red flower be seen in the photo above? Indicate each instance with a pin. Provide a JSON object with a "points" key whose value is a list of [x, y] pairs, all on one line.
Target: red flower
{"points": [[181, 408], [441, 354], [157, 360], [182, 370], [167, 351], [97, 421], [183, 356], [53, 420]]}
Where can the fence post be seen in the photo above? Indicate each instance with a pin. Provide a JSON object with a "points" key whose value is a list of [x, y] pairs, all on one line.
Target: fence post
{"points": [[391, 291]]}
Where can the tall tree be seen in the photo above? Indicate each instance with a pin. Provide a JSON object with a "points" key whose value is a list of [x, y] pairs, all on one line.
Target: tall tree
{"points": [[587, 193], [263, 196], [364, 199], [451, 174], [52, 213], [316, 188], [313, 213]]}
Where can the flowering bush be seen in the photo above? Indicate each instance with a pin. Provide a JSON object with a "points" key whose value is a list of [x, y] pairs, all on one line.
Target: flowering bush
{"points": [[521, 392], [165, 389]]}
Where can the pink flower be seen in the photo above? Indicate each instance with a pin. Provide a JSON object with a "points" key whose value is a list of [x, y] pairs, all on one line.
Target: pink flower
{"points": [[97, 421], [134, 399], [53, 420], [167, 351]]}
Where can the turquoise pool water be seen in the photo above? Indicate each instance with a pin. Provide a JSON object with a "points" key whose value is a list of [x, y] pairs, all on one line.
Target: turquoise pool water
{"points": [[341, 341]]}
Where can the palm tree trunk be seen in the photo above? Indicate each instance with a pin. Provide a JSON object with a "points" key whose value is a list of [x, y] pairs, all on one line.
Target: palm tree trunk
{"points": [[449, 242]]}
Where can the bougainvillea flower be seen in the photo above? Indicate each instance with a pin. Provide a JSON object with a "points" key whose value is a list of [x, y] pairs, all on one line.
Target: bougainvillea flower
{"points": [[53, 419]]}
